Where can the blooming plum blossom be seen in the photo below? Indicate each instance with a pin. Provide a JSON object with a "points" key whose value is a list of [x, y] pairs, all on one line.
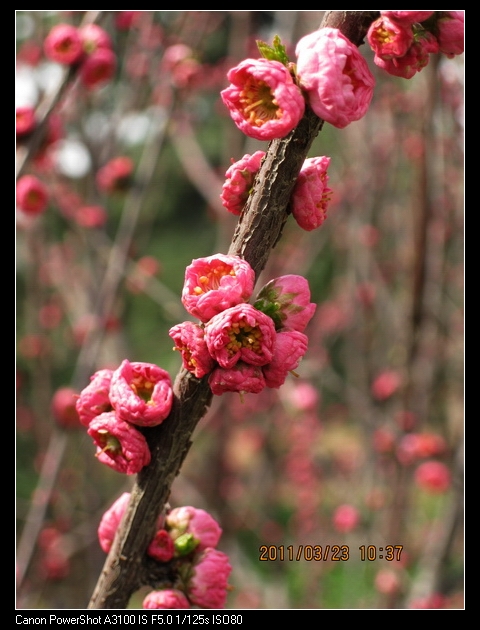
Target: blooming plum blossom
{"points": [[208, 584], [63, 44], [239, 181], [215, 283], [311, 195], [389, 38], [94, 399], [189, 339], [290, 346], [64, 408], [141, 393], [414, 60], [346, 518], [243, 333], [162, 546], [111, 520], [166, 599], [263, 99], [242, 378], [189, 520], [335, 76], [286, 300], [32, 195], [119, 444], [94, 37]]}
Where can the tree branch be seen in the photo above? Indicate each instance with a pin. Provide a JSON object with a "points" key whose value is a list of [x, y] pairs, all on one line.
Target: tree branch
{"points": [[260, 226]]}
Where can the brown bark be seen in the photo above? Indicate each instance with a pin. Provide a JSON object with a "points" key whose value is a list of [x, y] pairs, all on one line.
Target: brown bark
{"points": [[127, 567]]}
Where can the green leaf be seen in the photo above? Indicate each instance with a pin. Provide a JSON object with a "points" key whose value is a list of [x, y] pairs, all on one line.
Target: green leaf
{"points": [[276, 52]]}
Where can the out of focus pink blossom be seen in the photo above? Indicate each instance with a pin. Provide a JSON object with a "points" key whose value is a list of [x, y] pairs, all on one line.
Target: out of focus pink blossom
{"points": [[63, 44], [386, 384], [208, 585], [167, 599], [25, 121], [141, 393], [115, 175], [311, 195], [32, 195], [239, 181], [241, 333], [346, 518], [263, 100], [98, 68], [433, 477], [91, 216], [335, 76], [387, 582], [94, 37], [215, 283], [119, 444], [64, 408]]}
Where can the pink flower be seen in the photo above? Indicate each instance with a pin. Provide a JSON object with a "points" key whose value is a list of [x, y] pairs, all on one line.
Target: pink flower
{"points": [[311, 195], [408, 17], [25, 121], [167, 599], [345, 518], [241, 378], [216, 283], [389, 38], [414, 60], [115, 175], [189, 520], [119, 444], [287, 301], [141, 393], [63, 44], [91, 216], [241, 333], [162, 546], [450, 32], [386, 384], [94, 37], [290, 346], [32, 195], [111, 520], [189, 339], [98, 68], [335, 76], [433, 477], [263, 100], [94, 399], [239, 181], [387, 582], [63, 408], [208, 586]]}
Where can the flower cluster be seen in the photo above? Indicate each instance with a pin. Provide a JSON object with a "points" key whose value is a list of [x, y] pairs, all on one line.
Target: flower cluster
{"points": [[88, 47], [243, 347], [116, 404], [32, 195], [403, 40], [186, 538], [310, 196]]}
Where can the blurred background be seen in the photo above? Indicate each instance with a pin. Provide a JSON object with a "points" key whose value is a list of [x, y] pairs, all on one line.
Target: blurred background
{"points": [[365, 447]]}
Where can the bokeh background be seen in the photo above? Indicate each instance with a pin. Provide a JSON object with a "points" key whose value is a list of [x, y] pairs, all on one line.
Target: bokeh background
{"points": [[364, 446]]}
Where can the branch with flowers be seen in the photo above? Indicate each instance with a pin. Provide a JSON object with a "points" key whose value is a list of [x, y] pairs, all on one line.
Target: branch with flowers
{"points": [[240, 341]]}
